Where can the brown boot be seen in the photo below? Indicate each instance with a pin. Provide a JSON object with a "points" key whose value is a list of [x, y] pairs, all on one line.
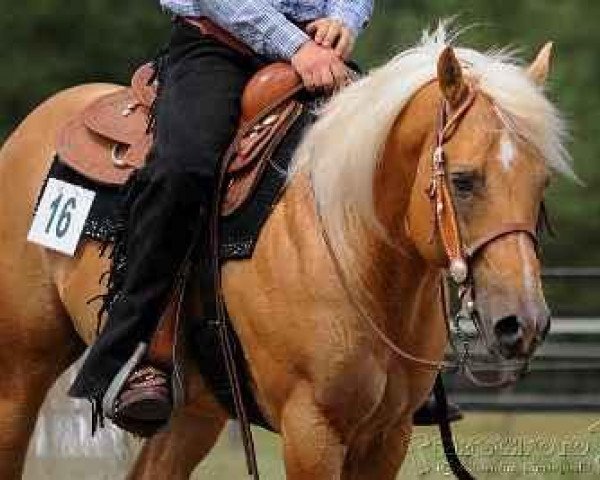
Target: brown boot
{"points": [[144, 404]]}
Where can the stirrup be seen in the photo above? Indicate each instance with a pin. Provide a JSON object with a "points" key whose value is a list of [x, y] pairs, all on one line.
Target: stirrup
{"points": [[144, 405], [138, 400], [108, 402]]}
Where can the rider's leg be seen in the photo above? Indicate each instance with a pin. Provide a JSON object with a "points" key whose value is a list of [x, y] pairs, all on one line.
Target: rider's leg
{"points": [[196, 117]]}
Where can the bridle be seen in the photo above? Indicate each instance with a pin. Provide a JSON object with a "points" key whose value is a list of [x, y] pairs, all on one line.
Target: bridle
{"points": [[460, 257]]}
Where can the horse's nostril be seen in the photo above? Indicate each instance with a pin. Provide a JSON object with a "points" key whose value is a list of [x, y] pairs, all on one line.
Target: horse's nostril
{"points": [[508, 330]]}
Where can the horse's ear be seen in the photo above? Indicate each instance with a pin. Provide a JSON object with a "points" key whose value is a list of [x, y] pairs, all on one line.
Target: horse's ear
{"points": [[450, 78], [540, 67]]}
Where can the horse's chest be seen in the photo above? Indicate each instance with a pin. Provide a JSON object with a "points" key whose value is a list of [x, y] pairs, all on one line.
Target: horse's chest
{"points": [[401, 393], [364, 396]]}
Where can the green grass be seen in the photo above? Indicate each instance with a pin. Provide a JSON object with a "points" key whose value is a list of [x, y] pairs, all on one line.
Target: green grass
{"points": [[496, 446]]}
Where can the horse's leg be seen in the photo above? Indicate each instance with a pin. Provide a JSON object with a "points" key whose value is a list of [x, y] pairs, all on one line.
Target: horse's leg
{"points": [[192, 433], [35, 348], [37, 340], [312, 447], [382, 458]]}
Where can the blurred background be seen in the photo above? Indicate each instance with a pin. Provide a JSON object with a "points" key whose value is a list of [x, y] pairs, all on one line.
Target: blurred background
{"points": [[49, 45]]}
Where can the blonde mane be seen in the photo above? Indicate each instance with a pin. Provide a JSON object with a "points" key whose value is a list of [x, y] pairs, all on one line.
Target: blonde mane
{"points": [[341, 151]]}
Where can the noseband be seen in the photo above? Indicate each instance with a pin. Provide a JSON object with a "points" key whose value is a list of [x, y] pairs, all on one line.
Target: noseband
{"points": [[460, 256]]}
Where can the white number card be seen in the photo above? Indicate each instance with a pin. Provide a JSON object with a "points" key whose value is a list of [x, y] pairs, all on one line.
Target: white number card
{"points": [[61, 215]]}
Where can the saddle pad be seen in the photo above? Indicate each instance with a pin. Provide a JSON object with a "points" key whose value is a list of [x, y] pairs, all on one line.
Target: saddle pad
{"points": [[239, 231]]}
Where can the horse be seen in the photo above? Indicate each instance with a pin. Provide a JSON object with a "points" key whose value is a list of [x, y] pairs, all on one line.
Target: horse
{"points": [[346, 273]]}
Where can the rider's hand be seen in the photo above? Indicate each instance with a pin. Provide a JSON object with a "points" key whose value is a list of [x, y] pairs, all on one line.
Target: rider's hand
{"points": [[320, 68], [333, 33]]}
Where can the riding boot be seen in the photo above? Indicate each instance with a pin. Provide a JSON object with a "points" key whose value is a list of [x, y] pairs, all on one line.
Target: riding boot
{"points": [[165, 212], [427, 413]]}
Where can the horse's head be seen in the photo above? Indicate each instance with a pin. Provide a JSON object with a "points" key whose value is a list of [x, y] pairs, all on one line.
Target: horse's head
{"points": [[496, 176]]}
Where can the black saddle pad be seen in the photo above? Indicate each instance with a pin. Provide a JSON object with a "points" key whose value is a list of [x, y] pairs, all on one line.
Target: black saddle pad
{"points": [[238, 232]]}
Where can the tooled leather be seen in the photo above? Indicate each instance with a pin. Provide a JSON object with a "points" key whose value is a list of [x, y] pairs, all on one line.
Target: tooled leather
{"points": [[243, 182], [142, 86], [117, 123], [444, 206], [89, 154], [449, 230], [250, 147], [117, 116], [445, 211]]}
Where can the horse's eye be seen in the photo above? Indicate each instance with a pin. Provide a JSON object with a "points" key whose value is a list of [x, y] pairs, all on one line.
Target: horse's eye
{"points": [[464, 184]]}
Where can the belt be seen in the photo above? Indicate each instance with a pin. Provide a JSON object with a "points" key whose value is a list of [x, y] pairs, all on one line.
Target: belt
{"points": [[211, 29]]}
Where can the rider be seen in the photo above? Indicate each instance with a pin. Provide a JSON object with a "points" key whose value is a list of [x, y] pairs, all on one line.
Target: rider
{"points": [[202, 80]]}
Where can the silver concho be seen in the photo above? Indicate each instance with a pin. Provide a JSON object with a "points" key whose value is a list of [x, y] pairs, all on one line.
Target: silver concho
{"points": [[459, 271]]}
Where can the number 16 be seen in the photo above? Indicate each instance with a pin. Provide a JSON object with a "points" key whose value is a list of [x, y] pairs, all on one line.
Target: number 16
{"points": [[64, 219]]}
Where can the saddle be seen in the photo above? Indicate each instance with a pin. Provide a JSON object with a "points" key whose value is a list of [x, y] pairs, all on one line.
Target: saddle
{"points": [[111, 138]]}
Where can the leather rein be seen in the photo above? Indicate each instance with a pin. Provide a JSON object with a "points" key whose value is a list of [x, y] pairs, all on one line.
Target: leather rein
{"points": [[460, 256]]}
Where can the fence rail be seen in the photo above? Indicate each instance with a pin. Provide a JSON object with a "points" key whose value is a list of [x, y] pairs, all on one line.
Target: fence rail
{"points": [[582, 273]]}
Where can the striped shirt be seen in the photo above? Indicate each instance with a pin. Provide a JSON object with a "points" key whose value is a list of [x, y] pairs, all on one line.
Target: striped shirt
{"points": [[266, 25]]}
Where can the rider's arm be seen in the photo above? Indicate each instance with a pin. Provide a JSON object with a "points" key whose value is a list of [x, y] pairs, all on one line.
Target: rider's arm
{"points": [[259, 25], [355, 14]]}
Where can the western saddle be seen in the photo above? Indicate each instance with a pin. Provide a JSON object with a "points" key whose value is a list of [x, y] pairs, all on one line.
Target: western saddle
{"points": [[111, 138]]}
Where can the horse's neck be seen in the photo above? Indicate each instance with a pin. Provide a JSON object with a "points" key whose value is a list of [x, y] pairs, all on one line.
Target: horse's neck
{"points": [[404, 294], [409, 288], [395, 287]]}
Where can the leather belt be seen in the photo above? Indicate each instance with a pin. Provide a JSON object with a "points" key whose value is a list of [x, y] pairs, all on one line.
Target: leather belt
{"points": [[211, 29]]}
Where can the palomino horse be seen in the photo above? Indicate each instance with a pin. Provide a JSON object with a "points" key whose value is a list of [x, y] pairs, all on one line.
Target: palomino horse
{"points": [[341, 399]]}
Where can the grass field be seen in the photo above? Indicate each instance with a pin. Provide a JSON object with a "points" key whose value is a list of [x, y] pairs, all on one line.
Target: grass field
{"points": [[499, 446], [496, 446]]}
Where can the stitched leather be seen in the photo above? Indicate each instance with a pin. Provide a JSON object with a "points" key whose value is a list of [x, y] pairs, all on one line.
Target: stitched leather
{"points": [[144, 404], [242, 182], [445, 213], [144, 89], [118, 116]]}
